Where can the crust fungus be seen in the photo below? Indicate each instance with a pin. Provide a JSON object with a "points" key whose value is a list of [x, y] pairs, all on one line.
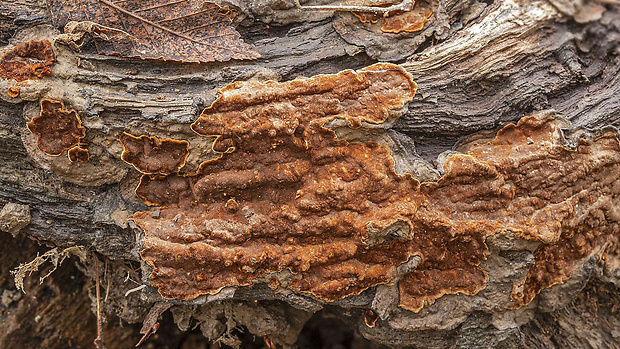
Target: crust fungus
{"points": [[28, 60], [306, 200], [288, 195], [57, 129], [370, 318], [13, 91], [396, 22], [78, 154], [152, 155]]}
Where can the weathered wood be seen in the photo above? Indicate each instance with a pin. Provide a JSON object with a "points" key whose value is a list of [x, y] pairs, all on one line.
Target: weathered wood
{"points": [[478, 66]]}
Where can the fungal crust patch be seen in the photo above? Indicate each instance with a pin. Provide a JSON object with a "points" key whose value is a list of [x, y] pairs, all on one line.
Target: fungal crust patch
{"points": [[400, 21], [287, 194], [57, 129], [152, 155], [28, 60], [78, 154]]}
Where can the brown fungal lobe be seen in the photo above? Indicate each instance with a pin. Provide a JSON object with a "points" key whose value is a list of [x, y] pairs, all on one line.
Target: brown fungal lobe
{"points": [[152, 155], [57, 129], [400, 21], [28, 60], [78, 154], [287, 194], [370, 318]]}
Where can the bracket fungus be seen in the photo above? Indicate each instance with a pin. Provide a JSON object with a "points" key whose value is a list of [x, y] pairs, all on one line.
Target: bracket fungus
{"points": [[28, 60], [57, 129], [152, 155], [290, 204]]}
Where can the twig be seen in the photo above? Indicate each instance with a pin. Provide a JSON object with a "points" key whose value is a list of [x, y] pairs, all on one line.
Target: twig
{"points": [[99, 340], [128, 278], [405, 5]]}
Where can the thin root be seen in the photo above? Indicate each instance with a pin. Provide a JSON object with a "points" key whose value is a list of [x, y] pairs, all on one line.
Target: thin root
{"points": [[134, 290], [53, 256], [405, 5]]}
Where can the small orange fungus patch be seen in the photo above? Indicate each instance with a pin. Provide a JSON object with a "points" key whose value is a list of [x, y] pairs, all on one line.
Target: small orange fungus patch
{"points": [[399, 21], [152, 155], [13, 91], [370, 318], [28, 60], [57, 129], [78, 154]]}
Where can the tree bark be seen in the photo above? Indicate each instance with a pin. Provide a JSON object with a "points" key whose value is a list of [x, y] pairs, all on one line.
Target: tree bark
{"points": [[479, 65]]}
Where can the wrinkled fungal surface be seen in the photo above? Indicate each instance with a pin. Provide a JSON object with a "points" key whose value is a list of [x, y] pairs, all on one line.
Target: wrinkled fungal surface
{"points": [[288, 195], [57, 129], [28, 60], [525, 181], [152, 155]]}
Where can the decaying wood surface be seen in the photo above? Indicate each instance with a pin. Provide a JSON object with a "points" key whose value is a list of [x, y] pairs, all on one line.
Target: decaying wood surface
{"points": [[478, 65]]}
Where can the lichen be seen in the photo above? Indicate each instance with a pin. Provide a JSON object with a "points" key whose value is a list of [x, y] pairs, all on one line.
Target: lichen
{"points": [[14, 217]]}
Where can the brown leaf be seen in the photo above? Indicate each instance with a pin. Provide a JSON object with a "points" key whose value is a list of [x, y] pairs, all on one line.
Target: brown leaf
{"points": [[177, 30], [150, 324]]}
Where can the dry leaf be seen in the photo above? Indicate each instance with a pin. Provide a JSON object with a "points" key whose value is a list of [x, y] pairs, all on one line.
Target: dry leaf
{"points": [[150, 324], [177, 30]]}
